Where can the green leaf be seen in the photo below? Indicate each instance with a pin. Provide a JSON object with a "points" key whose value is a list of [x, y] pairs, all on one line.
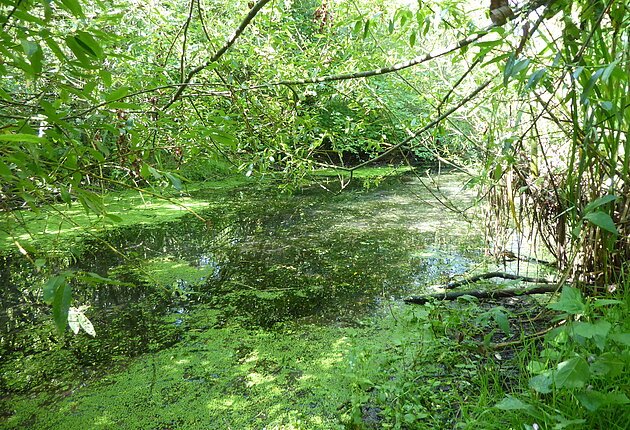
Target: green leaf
{"points": [[91, 201], [605, 302], [54, 47], [599, 202], [570, 301], [572, 373], [77, 50], [593, 400], [117, 94], [174, 180], [621, 338], [412, 38], [609, 69], [534, 78], [510, 403], [125, 106], [542, 383], [536, 367], [590, 85], [603, 221], [588, 330], [609, 363], [502, 321], [89, 44], [223, 138], [366, 29], [5, 171], [73, 6], [21, 137], [61, 305], [50, 288], [113, 217], [106, 77]]}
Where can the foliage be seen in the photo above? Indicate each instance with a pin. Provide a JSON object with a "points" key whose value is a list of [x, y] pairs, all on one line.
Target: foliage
{"points": [[580, 374], [559, 167]]}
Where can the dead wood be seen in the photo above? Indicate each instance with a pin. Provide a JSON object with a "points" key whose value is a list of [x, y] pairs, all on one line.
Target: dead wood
{"points": [[455, 284], [484, 294]]}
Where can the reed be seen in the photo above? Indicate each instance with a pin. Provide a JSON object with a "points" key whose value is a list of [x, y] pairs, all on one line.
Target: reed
{"points": [[564, 175]]}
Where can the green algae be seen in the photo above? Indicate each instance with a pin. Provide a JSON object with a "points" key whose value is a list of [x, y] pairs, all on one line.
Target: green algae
{"points": [[292, 377], [55, 226], [166, 271]]}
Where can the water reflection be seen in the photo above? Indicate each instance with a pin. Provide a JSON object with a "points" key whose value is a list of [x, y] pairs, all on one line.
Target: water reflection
{"points": [[260, 260]]}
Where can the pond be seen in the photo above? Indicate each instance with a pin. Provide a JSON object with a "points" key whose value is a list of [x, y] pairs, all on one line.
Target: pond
{"points": [[249, 317]]}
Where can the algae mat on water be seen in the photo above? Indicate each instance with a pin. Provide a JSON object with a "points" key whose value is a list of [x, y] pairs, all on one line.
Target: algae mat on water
{"points": [[291, 377]]}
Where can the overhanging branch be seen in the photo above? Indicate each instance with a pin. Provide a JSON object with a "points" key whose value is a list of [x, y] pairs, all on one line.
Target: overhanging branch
{"points": [[229, 42]]}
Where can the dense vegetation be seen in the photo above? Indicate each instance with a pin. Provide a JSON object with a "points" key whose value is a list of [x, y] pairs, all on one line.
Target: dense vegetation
{"points": [[530, 99]]}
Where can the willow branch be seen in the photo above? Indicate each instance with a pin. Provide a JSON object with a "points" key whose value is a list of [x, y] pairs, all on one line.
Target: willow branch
{"points": [[385, 70], [230, 41], [429, 126]]}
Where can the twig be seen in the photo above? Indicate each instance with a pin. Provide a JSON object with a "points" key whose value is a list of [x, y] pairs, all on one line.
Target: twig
{"points": [[536, 335], [230, 41]]}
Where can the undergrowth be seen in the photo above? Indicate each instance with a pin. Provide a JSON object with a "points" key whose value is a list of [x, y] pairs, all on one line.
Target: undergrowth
{"points": [[514, 365]]}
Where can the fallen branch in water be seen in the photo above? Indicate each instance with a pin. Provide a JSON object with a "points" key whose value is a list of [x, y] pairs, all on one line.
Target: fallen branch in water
{"points": [[494, 294], [490, 275]]}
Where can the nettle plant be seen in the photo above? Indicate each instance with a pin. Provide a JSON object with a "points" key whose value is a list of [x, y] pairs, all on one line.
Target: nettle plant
{"points": [[583, 363]]}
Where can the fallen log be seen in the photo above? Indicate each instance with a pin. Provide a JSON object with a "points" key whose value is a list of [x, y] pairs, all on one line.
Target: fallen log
{"points": [[455, 284], [486, 294]]}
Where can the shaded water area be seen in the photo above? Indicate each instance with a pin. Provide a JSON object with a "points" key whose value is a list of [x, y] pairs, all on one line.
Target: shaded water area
{"points": [[270, 286]]}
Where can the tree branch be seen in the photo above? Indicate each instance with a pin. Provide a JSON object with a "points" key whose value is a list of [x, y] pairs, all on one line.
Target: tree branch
{"points": [[230, 41], [384, 70], [430, 125], [540, 289], [455, 284]]}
